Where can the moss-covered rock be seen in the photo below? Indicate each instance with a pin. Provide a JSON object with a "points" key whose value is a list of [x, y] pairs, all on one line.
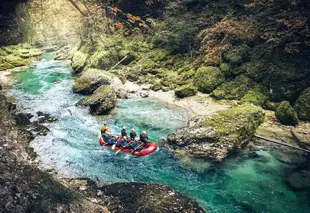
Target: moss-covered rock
{"points": [[185, 91], [207, 78], [103, 59], [102, 101], [79, 61], [156, 86], [271, 105], [16, 61], [225, 68], [88, 83], [302, 105], [5, 66], [286, 114], [234, 89], [237, 54], [28, 53], [255, 96], [215, 138]]}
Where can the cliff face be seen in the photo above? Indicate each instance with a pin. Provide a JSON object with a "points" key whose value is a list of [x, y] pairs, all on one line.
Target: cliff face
{"points": [[53, 22], [10, 32]]}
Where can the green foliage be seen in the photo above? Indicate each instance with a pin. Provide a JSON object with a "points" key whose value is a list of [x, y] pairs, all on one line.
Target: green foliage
{"points": [[207, 78], [286, 114]]}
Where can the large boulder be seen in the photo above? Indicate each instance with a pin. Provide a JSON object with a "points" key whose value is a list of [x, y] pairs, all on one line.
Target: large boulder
{"points": [[102, 101], [185, 91], [216, 137], [286, 114], [16, 61], [28, 53], [79, 61], [88, 83], [234, 89], [255, 96], [302, 105], [207, 78]]}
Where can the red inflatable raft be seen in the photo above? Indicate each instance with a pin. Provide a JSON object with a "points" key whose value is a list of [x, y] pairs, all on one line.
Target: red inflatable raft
{"points": [[147, 149]]}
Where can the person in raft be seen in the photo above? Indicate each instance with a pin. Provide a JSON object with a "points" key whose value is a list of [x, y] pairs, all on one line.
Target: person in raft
{"points": [[123, 143], [143, 137], [104, 131], [133, 134], [135, 145], [110, 139], [124, 132]]}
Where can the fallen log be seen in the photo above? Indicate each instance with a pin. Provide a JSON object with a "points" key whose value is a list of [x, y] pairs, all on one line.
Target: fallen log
{"points": [[280, 143]]}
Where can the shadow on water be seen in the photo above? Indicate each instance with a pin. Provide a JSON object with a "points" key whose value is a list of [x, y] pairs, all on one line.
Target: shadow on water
{"points": [[238, 185]]}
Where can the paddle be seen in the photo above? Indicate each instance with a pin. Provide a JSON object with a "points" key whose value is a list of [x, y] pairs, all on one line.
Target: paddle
{"points": [[122, 148]]}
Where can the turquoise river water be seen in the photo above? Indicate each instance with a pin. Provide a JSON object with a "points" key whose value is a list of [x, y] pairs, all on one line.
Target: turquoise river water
{"points": [[239, 185]]}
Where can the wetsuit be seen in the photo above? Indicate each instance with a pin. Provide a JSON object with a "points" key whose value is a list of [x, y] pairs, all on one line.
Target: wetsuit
{"points": [[144, 138], [110, 140], [135, 146], [123, 143], [124, 132], [133, 135]]}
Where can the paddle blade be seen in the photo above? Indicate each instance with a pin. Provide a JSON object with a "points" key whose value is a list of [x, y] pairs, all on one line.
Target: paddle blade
{"points": [[113, 147], [117, 151]]}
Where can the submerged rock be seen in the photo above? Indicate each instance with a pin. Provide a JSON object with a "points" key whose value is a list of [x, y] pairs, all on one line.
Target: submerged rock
{"points": [[215, 138], [102, 101], [88, 83], [286, 114], [302, 105], [300, 180], [185, 91], [79, 61], [207, 78]]}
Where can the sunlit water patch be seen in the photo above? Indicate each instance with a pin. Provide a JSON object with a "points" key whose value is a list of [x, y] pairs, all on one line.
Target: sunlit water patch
{"points": [[239, 185]]}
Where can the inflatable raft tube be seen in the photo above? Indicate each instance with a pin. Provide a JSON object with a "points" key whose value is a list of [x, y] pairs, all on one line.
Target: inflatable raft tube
{"points": [[148, 149]]}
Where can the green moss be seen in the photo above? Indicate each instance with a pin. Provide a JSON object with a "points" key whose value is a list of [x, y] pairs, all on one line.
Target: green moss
{"points": [[237, 54], [255, 96], [185, 91], [15, 60], [188, 74], [156, 86], [286, 114], [5, 66], [271, 105], [237, 123], [3, 52], [207, 78], [79, 61], [132, 76], [302, 105], [234, 89], [225, 68]]}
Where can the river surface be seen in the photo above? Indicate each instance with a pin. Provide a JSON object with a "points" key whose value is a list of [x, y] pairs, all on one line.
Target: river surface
{"points": [[239, 185]]}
